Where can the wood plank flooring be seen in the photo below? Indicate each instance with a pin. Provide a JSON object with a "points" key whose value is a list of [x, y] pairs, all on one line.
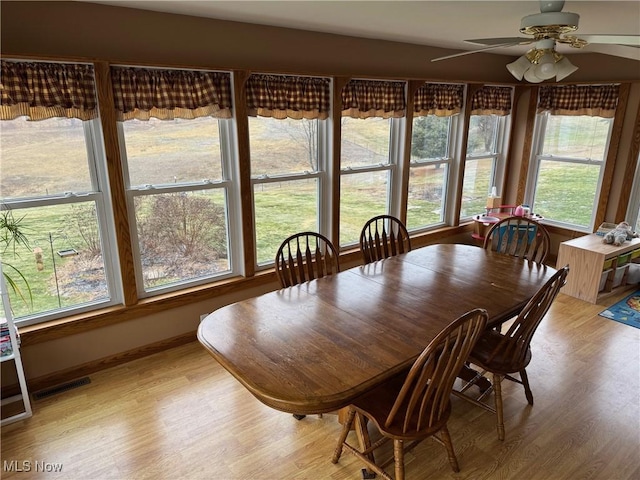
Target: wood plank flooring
{"points": [[179, 415]]}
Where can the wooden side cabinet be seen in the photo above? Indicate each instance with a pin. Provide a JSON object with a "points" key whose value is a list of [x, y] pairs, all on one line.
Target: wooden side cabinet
{"points": [[588, 258]]}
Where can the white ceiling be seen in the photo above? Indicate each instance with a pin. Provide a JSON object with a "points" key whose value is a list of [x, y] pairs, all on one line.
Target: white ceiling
{"points": [[436, 23]]}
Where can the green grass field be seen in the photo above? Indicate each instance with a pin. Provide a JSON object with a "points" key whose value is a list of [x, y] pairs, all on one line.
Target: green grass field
{"points": [[566, 193]]}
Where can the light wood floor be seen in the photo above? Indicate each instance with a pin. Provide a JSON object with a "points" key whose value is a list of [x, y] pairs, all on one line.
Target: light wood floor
{"points": [[179, 415]]}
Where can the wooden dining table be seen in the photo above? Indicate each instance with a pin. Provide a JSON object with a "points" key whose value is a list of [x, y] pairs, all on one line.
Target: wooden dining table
{"points": [[313, 348]]}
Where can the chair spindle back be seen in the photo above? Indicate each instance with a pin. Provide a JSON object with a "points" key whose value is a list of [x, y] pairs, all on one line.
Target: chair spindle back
{"points": [[305, 256], [519, 237], [424, 397], [513, 347], [383, 236]]}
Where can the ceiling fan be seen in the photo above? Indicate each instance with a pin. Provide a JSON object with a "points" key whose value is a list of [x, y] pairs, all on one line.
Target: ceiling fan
{"points": [[547, 28]]}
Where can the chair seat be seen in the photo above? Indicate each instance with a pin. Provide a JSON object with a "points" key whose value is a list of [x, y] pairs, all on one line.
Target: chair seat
{"points": [[487, 356], [377, 404]]}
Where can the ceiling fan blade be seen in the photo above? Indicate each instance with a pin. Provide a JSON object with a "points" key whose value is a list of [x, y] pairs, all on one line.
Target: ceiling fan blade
{"points": [[631, 40], [623, 51], [495, 41], [469, 52]]}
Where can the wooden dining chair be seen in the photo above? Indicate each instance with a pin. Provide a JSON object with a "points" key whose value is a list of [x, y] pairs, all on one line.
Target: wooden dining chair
{"points": [[302, 257], [383, 236], [409, 408], [305, 256], [520, 237], [504, 354]]}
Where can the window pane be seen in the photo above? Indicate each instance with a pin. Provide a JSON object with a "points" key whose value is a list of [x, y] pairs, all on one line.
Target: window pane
{"points": [[172, 151], [362, 196], [64, 266], [283, 146], [365, 141], [182, 236], [425, 205], [566, 192], [282, 209], [576, 137], [45, 157], [477, 177], [430, 137], [482, 134]]}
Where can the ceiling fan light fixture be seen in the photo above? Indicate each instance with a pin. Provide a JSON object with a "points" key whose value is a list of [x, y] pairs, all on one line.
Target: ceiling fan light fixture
{"points": [[518, 67], [546, 67], [564, 68], [531, 77]]}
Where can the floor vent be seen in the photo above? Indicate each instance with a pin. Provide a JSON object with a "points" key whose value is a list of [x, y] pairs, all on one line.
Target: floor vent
{"points": [[63, 387]]}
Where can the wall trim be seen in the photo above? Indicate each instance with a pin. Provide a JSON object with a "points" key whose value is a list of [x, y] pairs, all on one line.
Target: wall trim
{"points": [[86, 369]]}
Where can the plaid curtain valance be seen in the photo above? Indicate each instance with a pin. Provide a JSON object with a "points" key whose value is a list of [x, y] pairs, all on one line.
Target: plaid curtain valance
{"points": [[593, 100], [280, 97], [441, 100], [492, 100], [141, 93], [366, 99], [47, 90]]}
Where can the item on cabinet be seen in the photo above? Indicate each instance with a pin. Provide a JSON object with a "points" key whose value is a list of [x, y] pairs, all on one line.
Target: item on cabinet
{"points": [[493, 200], [6, 348], [620, 234]]}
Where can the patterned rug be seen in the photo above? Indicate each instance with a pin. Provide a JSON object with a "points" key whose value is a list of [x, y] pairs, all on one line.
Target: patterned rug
{"points": [[626, 311]]}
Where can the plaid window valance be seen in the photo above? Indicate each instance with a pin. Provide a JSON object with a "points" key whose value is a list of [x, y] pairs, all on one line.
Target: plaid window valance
{"points": [[491, 100], [366, 98], [280, 97], [46, 90], [141, 93], [441, 100], [593, 100]]}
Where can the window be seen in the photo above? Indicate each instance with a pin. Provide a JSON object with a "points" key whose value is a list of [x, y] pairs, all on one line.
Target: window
{"points": [[51, 177], [570, 152], [429, 171], [179, 176], [569, 165], [633, 213], [179, 198], [289, 144], [486, 144], [370, 152], [436, 115], [287, 176]]}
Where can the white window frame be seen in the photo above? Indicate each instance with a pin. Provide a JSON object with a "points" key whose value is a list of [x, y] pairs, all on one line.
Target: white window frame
{"points": [[499, 158], [96, 159], [633, 209], [230, 163], [397, 127], [534, 169], [450, 184]]}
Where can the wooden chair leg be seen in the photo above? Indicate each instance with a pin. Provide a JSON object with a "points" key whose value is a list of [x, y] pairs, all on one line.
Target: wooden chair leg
{"points": [[343, 435], [498, 398], [362, 431], [527, 389], [398, 459], [446, 440]]}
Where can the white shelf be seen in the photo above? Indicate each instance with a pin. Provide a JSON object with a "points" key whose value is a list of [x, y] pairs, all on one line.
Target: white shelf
{"points": [[4, 358], [15, 356]]}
